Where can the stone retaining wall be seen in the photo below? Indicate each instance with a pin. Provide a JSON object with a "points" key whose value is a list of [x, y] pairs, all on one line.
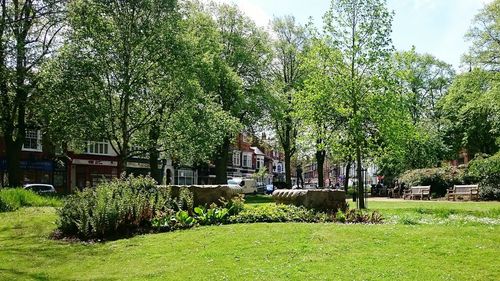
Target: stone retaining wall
{"points": [[319, 199], [205, 195]]}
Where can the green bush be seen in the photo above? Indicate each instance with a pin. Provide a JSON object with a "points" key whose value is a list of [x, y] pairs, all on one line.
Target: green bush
{"points": [[486, 172], [118, 208], [439, 179], [14, 198], [275, 213], [291, 213]]}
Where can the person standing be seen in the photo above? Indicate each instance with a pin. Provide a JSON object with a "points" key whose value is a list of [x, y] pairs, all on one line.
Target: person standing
{"points": [[300, 179]]}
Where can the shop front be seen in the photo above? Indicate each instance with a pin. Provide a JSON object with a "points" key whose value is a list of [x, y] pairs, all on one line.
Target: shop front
{"points": [[32, 171], [91, 172]]}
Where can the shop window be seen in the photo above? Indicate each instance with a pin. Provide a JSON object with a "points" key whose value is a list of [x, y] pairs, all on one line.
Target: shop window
{"points": [[32, 140]]}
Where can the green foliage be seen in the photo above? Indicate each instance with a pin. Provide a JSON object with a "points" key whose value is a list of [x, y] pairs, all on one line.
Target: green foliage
{"points": [[349, 79], [15, 198], [183, 220], [29, 34], [485, 35], [5, 207], [235, 205], [439, 179], [212, 215], [118, 208], [340, 216], [277, 213], [411, 138], [486, 172], [291, 213], [423, 80], [417, 146], [471, 113]]}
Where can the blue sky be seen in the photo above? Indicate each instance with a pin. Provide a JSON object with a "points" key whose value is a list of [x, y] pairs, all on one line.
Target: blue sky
{"points": [[433, 26]]}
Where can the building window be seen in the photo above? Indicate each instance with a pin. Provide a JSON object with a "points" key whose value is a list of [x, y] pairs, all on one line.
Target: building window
{"points": [[279, 168], [247, 160], [97, 148], [260, 162], [236, 158], [32, 140], [185, 177]]}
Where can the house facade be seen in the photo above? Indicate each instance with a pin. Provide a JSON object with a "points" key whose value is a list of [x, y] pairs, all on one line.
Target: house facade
{"points": [[37, 164], [248, 156], [76, 169]]}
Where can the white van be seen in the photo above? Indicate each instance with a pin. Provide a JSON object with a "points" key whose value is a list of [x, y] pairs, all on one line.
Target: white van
{"points": [[242, 185]]}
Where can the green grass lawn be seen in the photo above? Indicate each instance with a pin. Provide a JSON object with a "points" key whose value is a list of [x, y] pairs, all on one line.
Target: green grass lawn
{"points": [[444, 249]]}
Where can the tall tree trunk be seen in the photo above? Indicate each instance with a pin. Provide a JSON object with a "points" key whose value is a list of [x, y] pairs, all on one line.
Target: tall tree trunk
{"points": [[361, 188], [288, 169], [347, 173], [221, 160], [154, 154], [287, 142], [13, 161], [320, 159], [15, 125]]}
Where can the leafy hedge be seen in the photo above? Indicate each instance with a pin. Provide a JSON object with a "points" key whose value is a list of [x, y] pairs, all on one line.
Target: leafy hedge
{"points": [[486, 172], [439, 179], [14, 198]]}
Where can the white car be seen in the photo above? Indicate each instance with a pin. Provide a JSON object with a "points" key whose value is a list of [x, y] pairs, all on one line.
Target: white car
{"points": [[40, 188], [242, 185]]}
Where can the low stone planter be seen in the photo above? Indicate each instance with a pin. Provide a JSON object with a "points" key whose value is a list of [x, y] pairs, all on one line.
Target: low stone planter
{"points": [[319, 199], [207, 194]]}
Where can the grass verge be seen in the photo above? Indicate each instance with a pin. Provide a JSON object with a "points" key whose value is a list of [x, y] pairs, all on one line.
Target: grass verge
{"points": [[14, 198], [291, 251]]}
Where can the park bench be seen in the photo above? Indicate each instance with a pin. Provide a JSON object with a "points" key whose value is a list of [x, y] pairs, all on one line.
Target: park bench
{"points": [[471, 191], [418, 192]]}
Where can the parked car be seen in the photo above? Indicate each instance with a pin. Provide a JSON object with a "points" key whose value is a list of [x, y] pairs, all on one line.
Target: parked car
{"points": [[269, 189], [40, 188], [242, 185], [261, 187]]}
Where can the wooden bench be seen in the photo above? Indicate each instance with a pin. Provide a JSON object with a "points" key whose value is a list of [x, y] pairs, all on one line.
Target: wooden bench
{"points": [[418, 192], [471, 191]]}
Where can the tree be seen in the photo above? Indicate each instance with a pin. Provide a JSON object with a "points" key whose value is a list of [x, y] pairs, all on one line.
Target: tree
{"points": [[485, 37], [287, 77], [360, 30], [470, 112], [129, 73], [413, 139], [29, 33], [423, 79], [239, 76], [317, 104]]}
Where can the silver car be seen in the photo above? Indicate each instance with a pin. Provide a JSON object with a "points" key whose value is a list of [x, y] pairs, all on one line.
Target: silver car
{"points": [[40, 188]]}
